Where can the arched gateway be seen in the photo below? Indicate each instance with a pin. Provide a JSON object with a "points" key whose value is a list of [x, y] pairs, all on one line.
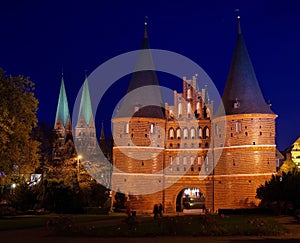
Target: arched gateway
{"points": [[190, 198]]}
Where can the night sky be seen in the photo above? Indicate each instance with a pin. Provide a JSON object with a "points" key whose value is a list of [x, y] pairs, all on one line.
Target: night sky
{"points": [[40, 38]]}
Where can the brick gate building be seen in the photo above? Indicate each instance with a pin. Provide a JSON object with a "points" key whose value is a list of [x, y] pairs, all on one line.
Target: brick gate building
{"points": [[186, 155]]}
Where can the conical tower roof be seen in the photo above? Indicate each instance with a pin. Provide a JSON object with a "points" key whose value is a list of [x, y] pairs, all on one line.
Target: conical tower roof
{"points": [[85, 110], [143, 98], [62, 111], [242, 94]]}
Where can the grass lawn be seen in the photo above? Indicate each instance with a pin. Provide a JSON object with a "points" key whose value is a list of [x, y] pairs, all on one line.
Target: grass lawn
{"points": [[118, 225], [209, 225], [30, 221]]}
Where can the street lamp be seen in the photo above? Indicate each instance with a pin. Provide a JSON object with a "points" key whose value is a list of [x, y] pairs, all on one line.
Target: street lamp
{"points": [[78, 166]]}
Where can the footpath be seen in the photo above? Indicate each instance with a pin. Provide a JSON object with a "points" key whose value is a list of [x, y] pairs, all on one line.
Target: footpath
{"points": [[42, 235]]}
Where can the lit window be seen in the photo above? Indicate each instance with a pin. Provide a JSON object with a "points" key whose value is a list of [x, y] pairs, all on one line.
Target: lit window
{"points": [[238, 127], [171, 133], [152, 128], [189, 96], [185, 133], [127, 128], [179, 109]]}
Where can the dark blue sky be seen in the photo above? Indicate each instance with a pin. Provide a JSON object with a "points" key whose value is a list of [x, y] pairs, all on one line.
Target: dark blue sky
{"points": [[39, 38]]}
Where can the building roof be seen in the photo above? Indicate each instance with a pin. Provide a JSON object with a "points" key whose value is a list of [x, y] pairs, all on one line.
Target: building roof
{"points": [[143, 98], [242, 94], [62, 111], [85, 109]]}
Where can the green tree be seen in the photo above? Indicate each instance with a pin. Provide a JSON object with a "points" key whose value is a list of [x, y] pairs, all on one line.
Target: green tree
{"points": [[281, 193], [18, 107]]}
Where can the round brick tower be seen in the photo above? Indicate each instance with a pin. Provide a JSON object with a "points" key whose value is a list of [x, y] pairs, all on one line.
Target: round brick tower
{"points": [[248, 156], [139, 135]]}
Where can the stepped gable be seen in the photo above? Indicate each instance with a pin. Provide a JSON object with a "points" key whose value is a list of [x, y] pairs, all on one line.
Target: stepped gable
{"points": [[144, 98], [242, 94]]}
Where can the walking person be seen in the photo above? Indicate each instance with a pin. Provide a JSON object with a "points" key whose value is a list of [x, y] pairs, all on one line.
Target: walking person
{"points": [[155, 211], [160, 210]]}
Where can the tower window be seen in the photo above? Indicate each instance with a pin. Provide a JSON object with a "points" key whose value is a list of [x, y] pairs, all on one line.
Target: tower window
{"points": [[178, 133], [185, 133], [193, 133], [206, 133], [180, 110], [199, 132], [236, 104], [152, 130], [238, 127], [189, 95], [126, 128], [171, 133]]}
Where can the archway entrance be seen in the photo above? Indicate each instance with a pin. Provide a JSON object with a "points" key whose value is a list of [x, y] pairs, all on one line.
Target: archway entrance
{"points": [[190, 198]]}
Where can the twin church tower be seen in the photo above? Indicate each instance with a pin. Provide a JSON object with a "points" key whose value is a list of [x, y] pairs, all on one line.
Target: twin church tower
{"points": [[185, 155]]}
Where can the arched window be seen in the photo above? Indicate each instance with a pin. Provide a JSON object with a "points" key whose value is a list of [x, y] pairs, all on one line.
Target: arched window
{"points": [[200, 133], [193, 133], [189, 109], [238, 127], [171, 133], [189, 94], [180, 110], [185, 133], [198, 106], [206, 132], [178, 133], [152, 128], [192, 160], [126, 128], [199, 160]]}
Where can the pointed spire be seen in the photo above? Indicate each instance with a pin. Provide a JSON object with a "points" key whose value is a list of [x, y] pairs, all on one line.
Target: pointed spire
{"points": [[145, 80], [85, 109], [102, 137], [62, 111], [242, 94]]}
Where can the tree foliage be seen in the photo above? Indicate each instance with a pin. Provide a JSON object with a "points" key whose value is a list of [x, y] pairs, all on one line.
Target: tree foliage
{"points": [[18, 107], [282, 192]]}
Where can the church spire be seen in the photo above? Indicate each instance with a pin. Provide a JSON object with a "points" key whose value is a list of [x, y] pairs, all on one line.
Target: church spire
{"points": [[143, 97], [85, 110], [242, 93], [102, 136], [62, 111]]}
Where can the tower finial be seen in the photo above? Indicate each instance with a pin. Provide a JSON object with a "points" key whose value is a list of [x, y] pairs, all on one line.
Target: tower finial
{"points": [[239, 24], [145, 27], [85, 73], [62, 72]]}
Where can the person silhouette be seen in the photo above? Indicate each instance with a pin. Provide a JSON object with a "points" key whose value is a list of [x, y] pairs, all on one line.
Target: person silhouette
{"points": [[160, 209], [155, 211]]}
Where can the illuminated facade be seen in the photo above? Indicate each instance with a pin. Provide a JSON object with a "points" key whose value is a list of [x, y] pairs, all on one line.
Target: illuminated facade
{"points": [[184, 138], [295, 152]]}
